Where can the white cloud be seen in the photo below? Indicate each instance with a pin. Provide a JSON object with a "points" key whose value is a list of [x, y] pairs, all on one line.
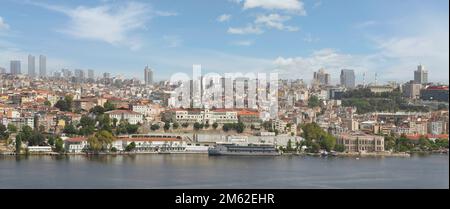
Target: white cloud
{"points": [[224, 18], [3, 25], [366, 24], [243, 43], [275, 21], [166, 14], [116, 23], [310, 39], [172, 41], [330, 59], [249, 29], [294, 6]]}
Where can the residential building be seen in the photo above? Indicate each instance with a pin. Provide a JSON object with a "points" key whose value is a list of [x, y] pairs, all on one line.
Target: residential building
{"points": [[412, 90], [127, 115]]}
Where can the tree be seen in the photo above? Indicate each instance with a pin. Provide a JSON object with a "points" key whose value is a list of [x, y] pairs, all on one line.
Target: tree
{"points": [[215, 125], [389, 142], [226, 127], [65, 104], [339, 148], [51, 140], [114, 121], [87, 125], [47, 103], [315, 147], [12, 128], [154, 127], [18, 143], [59, 145], [328, 142], [206, 125], [97, 110], [185, 125], [239, 127], [36, 139], [69, 129], [166, 126], [109, 106], [289, 145], [424, 143], [130, 147], [94, 144], [313, 101], [100, 141], [197, 126], [175, 125], [3, 132]]}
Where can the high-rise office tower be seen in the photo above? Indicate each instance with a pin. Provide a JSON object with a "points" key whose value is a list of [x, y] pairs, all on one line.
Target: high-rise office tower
{"points": [[15, 67], [421, 75], [148, 76], [91, 75], [31, 66], [321, 77], [42, 66], [79, 75], [348, 78]]}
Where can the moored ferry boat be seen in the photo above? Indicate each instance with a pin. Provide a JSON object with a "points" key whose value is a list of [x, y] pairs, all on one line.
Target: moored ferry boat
{"points": [[250, 149]]}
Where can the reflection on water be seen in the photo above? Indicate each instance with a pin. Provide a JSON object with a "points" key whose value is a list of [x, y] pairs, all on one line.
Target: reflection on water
{"points": [[203, 171]]}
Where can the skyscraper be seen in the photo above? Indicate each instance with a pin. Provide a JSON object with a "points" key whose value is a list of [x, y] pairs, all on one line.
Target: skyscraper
{"points": [[148, 76], [42, 66], [91, 75], [421, 75], [31, 66], [79, 75], [15, 67], [348, 78], [321, 77]]}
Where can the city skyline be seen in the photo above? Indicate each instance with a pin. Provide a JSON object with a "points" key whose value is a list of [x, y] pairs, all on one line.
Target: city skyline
{"points": [[233, 36]]}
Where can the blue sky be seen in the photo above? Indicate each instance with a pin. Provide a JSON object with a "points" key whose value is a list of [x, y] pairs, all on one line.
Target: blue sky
{"points": [[292, 37]]}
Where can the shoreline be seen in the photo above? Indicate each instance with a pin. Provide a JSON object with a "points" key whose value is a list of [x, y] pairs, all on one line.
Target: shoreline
{"points": [[349, 154]]}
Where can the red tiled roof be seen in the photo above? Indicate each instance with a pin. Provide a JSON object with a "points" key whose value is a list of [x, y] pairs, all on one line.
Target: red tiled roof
{"points": [[122, 112], [150, 139], [76, 139], [436, 136]]}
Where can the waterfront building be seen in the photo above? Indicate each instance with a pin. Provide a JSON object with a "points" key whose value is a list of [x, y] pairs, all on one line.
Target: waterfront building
{"points": [[361, 142], [31, 66], [348, 78], [421, 75], [15, 67], [75, 144], [42, 66]]}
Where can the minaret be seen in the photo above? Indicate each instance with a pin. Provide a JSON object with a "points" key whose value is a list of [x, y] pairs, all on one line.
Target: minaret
{"points": [[364, 79], [375, 79]]}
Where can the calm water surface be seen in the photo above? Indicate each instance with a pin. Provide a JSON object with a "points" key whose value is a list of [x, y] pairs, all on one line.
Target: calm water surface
{"points": [[203, 171]]}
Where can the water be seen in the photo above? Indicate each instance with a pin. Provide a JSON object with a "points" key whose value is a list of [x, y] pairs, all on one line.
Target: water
{"points": [[202, 171]]}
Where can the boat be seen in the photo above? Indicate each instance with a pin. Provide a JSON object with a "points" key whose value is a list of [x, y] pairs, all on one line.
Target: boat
{"points": [[248, 149]]}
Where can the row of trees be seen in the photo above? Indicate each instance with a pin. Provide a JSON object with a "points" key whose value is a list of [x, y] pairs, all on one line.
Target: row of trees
{"points": [[316, 138], [366, 101], [403, 144]]}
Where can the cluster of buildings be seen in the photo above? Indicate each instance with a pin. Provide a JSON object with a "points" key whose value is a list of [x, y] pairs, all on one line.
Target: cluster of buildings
{"points": [[28, 100]]}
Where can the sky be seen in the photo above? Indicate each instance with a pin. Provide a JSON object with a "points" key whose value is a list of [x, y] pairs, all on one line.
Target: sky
{"points": [[291, 37]]}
